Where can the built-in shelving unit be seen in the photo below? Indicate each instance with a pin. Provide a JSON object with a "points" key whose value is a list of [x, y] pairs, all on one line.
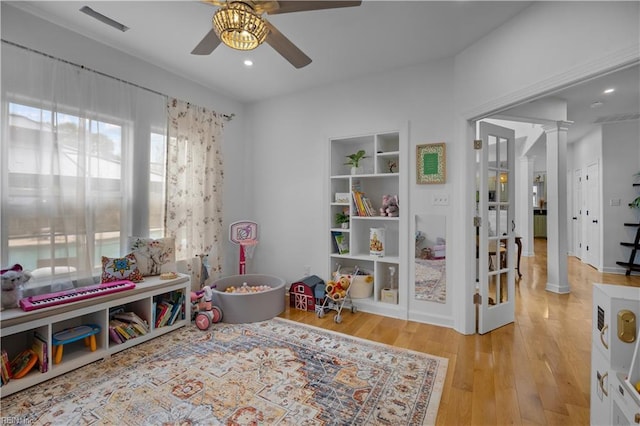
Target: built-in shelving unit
{"points": [[383, 172], [18, 327]]}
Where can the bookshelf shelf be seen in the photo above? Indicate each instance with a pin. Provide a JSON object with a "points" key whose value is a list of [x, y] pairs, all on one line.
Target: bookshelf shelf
{"points": [[384, 171], [18, 327]]}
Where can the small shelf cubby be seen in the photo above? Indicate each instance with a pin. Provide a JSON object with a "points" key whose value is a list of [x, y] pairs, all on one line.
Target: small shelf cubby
{"points": [[77, 350]]}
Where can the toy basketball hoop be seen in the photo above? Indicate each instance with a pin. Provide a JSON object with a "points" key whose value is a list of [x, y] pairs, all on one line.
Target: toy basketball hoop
{"points": [[245, 234]]}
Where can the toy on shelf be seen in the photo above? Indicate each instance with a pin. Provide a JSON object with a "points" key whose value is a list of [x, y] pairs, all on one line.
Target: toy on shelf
{"points": [[13, 279], [390, 206], [245, 234], [337, 295], [22, 364], [86, 332], [204, 311]]}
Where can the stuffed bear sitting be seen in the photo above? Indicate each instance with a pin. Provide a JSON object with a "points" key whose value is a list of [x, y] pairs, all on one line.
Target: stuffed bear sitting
{"points": [[390, 206], [13, 280], [337, 290]]}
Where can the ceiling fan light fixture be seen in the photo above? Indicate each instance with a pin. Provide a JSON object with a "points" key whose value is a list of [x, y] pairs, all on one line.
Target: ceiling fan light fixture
{"points": [[239, 27]]}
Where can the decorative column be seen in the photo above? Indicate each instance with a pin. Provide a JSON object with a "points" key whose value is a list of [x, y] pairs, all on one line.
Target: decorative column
{"points": [[524, 204], [557, 244]]}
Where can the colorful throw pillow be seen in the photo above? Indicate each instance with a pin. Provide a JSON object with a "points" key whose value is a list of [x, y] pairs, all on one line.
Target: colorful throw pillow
{"points": [[154, 256], [120, 268]]}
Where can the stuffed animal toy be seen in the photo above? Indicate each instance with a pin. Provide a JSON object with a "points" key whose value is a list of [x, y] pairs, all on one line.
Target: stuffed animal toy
{"points": [[390, 206], [13, 280], [337, 290]]}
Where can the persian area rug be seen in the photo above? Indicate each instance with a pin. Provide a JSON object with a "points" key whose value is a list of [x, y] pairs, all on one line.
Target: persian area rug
{"points": [[431, 280], [275, 372]]}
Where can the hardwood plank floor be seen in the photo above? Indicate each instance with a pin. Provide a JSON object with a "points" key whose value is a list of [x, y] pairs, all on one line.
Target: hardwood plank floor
{"points": [[532, 372]]}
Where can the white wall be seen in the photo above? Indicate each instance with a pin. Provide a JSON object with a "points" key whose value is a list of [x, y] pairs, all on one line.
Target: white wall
{"points": [[585, 151], [289, 136], [32, 32], [546, 40], [621, 144]]}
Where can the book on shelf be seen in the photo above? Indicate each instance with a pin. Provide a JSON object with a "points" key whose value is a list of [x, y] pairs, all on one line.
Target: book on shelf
{"points": [[121, 331], [340, 241], [114, 336], [362, 203], [40, 347], [168, 307], [177, 309], [6, 367], [132, 318], [167, 314]]}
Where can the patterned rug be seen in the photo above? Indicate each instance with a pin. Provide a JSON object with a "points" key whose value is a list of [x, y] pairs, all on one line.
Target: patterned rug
{"points": [[431, 280], [276, 372]]}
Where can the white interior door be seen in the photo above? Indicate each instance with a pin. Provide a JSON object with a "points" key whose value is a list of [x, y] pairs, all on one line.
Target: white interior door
{"points": [[495, 235], [592, 214], [576, 213]]}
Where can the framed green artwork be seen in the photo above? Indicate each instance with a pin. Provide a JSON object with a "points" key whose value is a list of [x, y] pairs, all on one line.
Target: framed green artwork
{"points": [[431, 163]]}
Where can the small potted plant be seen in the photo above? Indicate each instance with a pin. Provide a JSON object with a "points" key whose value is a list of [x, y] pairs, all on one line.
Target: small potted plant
{"points": [[342, 219], [354, 160]]}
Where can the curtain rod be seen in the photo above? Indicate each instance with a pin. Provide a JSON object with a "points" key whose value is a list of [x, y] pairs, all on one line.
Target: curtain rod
{"points": [[227, 117]]}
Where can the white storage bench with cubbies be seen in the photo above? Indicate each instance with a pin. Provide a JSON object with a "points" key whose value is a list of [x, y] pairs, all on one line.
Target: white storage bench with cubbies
{"points": [[18, 328]]}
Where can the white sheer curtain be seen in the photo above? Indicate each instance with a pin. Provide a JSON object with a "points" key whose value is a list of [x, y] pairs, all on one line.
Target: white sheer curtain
{"points": [[194, 186], [67, 159]]}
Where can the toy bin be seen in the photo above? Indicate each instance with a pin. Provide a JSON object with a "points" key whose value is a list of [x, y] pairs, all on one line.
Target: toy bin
{"points": [[361, 285]]}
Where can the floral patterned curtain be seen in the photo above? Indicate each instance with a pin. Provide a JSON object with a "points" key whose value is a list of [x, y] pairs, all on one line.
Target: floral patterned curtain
{"points": [[194, 188]]}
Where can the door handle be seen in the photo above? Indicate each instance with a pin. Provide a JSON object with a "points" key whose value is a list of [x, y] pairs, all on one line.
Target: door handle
{"points": [[513, 225], [601, 384], [595, 221], [604, 329], [575, 218]]}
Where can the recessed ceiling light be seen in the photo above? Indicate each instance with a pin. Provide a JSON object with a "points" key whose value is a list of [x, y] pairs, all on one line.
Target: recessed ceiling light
{"points": [[611, 90], [248, 63], [596, 104]]}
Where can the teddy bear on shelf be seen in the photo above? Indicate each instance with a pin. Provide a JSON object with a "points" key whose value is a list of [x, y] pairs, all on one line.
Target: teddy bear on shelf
{"points": [[13, 280], [390, 206]]}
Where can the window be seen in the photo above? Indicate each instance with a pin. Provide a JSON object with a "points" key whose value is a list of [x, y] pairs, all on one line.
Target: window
{"points": [[81, 167], [64, 204]]}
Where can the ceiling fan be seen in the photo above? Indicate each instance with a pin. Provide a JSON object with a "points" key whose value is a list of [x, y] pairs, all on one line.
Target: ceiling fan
{"points": [[239, 24]]}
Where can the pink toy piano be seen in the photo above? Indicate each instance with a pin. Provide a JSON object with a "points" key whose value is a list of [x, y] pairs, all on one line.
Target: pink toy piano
{"points": [[67, 296]]}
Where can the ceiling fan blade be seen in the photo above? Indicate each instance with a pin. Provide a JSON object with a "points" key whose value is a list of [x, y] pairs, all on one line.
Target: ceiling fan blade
{"points": [[288, 6], [207, 44], [286, 48]]}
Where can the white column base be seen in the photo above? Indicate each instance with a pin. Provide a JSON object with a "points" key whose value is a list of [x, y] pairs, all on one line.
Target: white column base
{"points": [[556, 288]]}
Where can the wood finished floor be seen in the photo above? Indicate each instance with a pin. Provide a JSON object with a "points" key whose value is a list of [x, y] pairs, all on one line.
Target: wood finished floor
{"points": [[533, 372]]}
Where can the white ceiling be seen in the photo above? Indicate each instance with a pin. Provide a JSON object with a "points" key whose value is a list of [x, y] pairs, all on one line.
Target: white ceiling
{"points": [[343, 43]]}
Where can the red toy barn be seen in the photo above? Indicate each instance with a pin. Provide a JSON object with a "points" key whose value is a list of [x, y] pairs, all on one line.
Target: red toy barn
{"points": [[302, 293]]}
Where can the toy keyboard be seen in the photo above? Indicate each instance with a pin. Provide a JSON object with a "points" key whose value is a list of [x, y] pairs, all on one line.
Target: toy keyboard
{"points": [[67, 296]]}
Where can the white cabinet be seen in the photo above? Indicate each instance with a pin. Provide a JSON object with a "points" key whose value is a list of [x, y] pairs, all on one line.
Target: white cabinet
{"points": [[382, 172], [18, 327], [600, 398], [614, 355]]}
